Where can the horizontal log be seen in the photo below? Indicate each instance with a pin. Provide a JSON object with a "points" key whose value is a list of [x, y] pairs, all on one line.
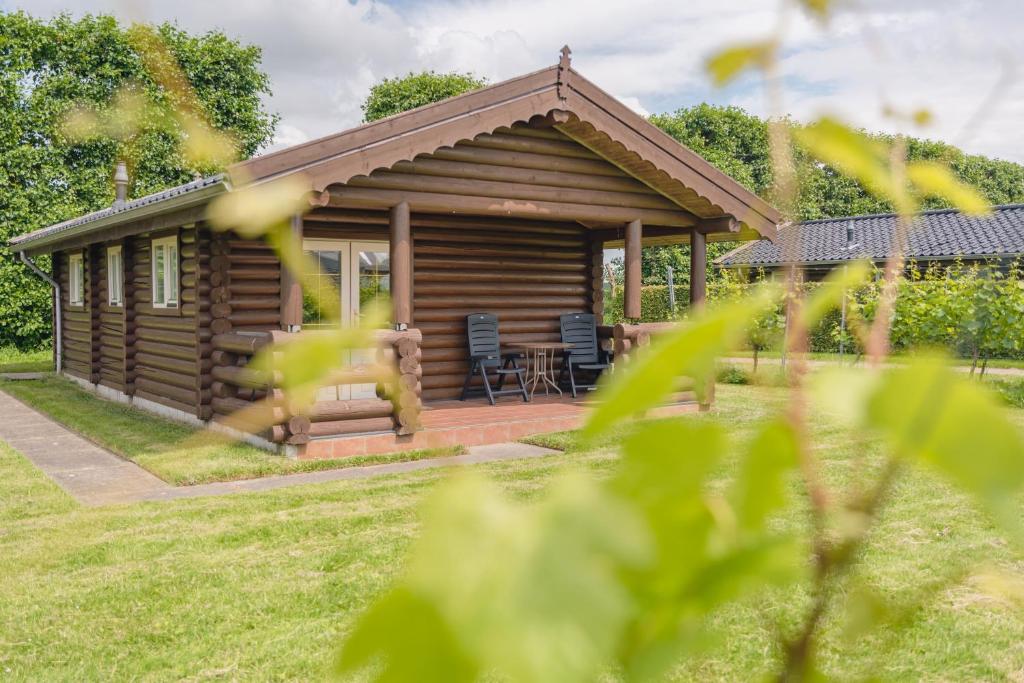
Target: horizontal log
{"points": [[472, 171], [407, 182], [242, 377], [265, 275], [240, 343], [183, 366], [167, 377], [526, 160], [340, 427], [459, 314], [165, 322], [183, 396], [253, 289], [496, 264], [252, 303], [237, 258], [353, 409], [145, 392], [187, 339], [167, 350], [539, 257], [520, 143], [483, 278], [268, 318], [496, 303], [433, 202]]}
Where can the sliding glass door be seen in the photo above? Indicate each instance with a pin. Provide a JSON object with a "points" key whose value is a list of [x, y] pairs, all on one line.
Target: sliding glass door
{"points": [[348, 277]]}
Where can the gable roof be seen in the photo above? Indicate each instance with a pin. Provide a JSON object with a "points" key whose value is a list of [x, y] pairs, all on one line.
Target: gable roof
{"points": [[571, 103], [942, 234], [558, 95]]}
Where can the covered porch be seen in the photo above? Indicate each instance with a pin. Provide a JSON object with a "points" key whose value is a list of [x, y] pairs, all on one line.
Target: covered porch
{"points": [[500, 201]]}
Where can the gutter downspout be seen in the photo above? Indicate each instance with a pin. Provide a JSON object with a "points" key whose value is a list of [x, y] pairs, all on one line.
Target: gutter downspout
{"points": [[58, 360]]}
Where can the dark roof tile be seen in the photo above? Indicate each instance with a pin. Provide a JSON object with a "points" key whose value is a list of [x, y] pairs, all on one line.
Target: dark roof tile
{"points": [[943, 233]]}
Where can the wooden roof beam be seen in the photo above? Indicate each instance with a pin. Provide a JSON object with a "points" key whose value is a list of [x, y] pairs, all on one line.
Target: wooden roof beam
{"points": [[343, 196]]}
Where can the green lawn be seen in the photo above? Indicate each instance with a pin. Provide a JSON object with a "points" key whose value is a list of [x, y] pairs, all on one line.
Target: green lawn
{"points": [[262, 586], [163, 446], [13, 360], [895, 357]]}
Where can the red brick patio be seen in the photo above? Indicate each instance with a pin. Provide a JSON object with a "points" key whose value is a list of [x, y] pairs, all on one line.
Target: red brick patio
{"points": [[473, 423]]}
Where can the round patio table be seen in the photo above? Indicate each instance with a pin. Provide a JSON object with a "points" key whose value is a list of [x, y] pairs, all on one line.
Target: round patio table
{"points": [[542, 368]]}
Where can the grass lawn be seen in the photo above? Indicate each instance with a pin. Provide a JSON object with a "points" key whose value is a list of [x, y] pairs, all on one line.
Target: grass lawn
{"points": [[263, 586], [162, 446], [896, 358], [13, 360]]}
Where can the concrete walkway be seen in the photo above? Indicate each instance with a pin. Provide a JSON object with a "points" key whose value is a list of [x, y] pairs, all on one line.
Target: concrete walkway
{"points": [[94, 476]]}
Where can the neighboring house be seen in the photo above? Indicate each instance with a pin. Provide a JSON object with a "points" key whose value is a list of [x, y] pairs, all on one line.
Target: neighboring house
{"points": [[940, 236], [500, 200]]}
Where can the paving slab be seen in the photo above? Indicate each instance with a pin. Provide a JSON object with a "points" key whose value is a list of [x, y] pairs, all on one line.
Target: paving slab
{"points": [[92, 475], [24, 375], [95, 476]]}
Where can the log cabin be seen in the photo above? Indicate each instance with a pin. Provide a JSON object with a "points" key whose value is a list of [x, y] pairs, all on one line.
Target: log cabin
{"points": [[499, 200]]}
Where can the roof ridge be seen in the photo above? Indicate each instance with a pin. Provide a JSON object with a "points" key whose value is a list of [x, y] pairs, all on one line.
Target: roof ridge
{"points": [[893, 214]]}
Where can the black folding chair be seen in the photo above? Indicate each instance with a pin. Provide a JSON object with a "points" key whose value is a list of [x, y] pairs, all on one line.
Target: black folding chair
{"points": [[580, 330], [485, 356]]}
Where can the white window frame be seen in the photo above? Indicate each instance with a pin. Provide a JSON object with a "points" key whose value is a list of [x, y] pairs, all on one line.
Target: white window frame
{"points": [[172, 271], [115, 276], [76, 280]]}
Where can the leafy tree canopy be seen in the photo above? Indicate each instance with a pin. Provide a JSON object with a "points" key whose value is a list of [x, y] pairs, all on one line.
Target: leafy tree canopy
{"points": [[737, 144], [48, 68], [395, 95]]}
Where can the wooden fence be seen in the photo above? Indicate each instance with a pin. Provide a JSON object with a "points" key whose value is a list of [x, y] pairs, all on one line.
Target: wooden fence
{"points": [[396, 374]]}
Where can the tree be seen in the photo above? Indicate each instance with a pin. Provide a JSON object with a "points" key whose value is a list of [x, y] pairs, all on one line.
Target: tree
{"points": [[48, 68], [395, 95], [737, 144]]}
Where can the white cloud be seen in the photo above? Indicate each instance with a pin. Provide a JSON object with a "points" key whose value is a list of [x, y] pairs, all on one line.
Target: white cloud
{"points": [[323, 55]]}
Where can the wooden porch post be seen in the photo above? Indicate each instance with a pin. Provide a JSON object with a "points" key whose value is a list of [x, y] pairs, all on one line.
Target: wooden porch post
{"points": [[631, 292], [401, 266], [291, 286], [698, 268]]}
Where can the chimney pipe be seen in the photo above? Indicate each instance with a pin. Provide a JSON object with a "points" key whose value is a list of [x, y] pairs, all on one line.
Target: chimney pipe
{"points": [[121, 184], [850, 244]]}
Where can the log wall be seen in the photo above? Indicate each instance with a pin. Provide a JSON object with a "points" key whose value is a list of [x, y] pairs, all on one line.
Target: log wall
{"points": [[526, 273], [111, 328], [76, 322], [165, 342]]}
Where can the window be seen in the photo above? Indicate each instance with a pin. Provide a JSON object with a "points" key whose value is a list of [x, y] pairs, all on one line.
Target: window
{"points": [[115, 277], [165, 272], [76, 279]]}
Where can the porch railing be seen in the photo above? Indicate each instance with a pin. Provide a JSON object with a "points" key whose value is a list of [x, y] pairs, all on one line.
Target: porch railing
{"points": [[628, 339], [396, 407]]}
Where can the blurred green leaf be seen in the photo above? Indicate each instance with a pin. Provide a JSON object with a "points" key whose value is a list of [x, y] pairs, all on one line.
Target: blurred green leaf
{"points": [[531, 591], [760, 486], [841, 393], [726, 65], [857, 156], [830, 294], [429, 650], [254, 210], [934, 416], [689, 351], [932, 178]]}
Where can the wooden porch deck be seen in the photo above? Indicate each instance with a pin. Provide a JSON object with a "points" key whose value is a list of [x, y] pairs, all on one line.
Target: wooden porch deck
{"points": [[472, 423]]}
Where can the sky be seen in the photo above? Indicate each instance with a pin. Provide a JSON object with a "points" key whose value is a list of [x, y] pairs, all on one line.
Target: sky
{"points": [[961, 59]]}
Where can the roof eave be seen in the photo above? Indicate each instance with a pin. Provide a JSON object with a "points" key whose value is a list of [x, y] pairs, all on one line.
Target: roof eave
{"points": [[182, 201]]}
